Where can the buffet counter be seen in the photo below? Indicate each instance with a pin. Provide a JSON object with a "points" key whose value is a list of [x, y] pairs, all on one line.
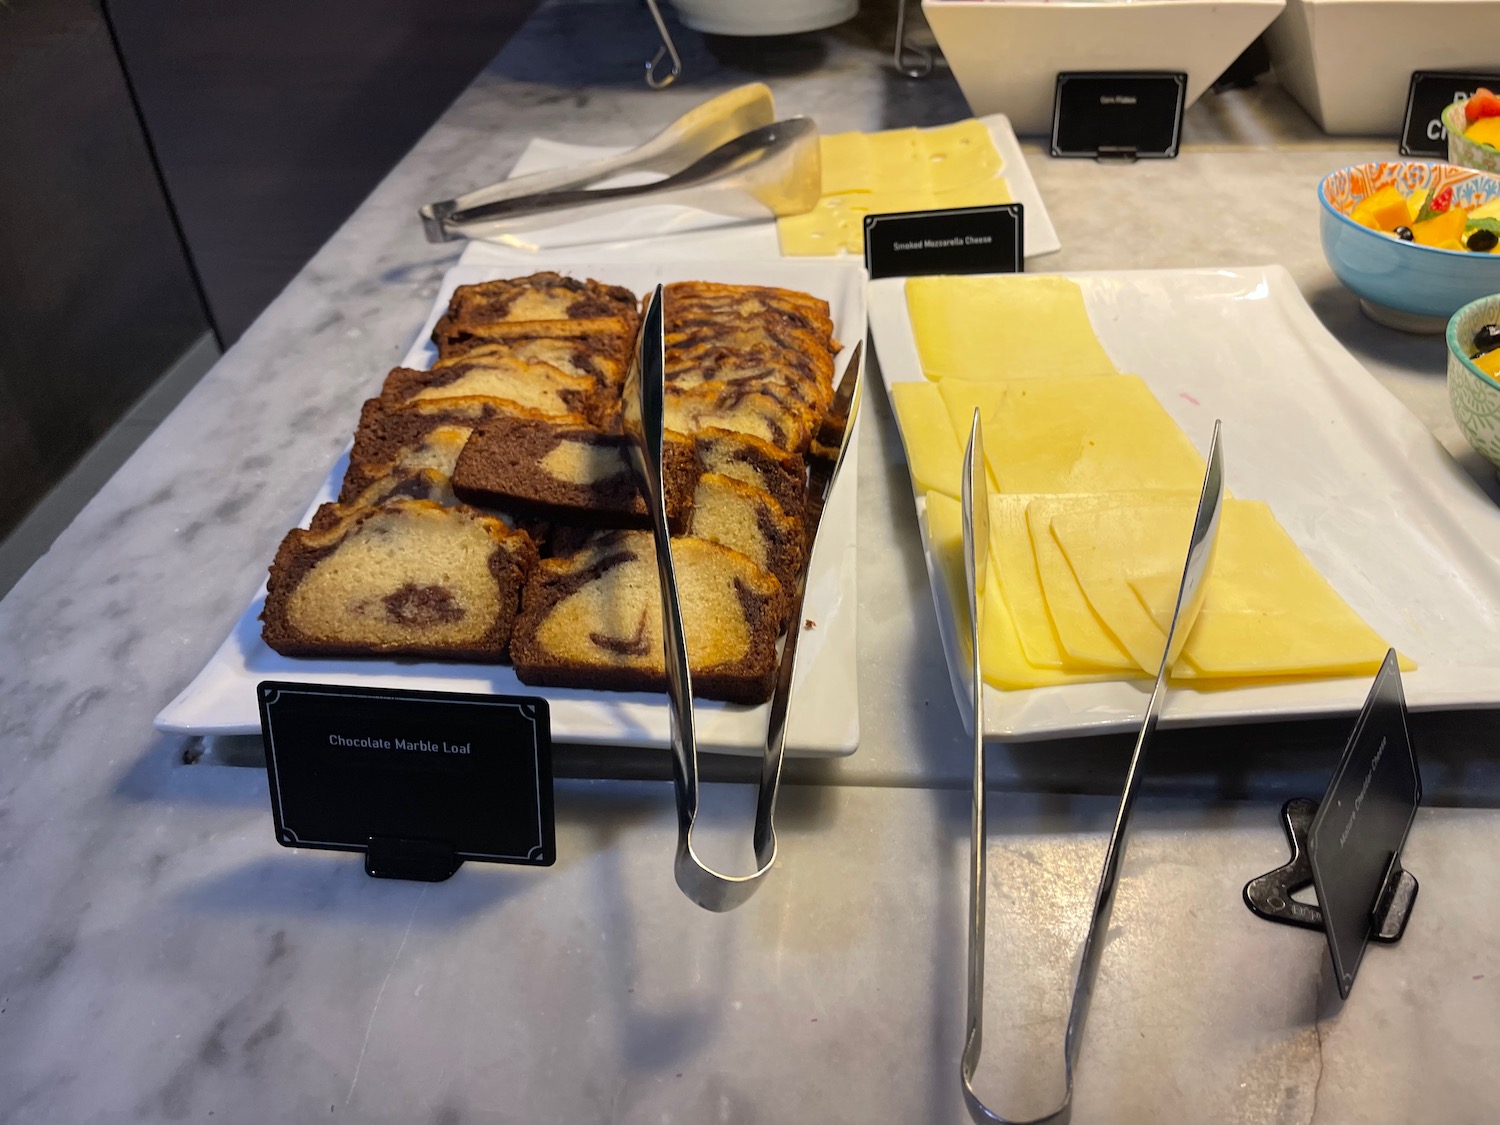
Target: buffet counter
{"points": [[162, 958]]}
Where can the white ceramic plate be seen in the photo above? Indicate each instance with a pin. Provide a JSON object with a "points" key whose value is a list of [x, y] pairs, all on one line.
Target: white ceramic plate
{"points": [[683, 233], [1399, 529], [825, 704]]}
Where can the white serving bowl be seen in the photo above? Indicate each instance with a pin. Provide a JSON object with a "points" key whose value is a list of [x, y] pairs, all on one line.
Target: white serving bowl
{"points": [[1006, 54], [763, 17], [1349, 62]]}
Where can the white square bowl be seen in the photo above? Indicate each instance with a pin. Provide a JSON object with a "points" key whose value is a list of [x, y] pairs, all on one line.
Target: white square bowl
{"points": [[1349, 62], [1006, 54]]}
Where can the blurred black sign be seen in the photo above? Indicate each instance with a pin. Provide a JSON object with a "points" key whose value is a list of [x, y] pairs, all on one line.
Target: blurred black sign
{"points": [[1122, 115], [1431, 92]]}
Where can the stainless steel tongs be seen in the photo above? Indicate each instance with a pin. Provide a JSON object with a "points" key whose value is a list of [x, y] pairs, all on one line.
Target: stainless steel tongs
{"points": [[729, 155], [644, 399], [1189, 597]]}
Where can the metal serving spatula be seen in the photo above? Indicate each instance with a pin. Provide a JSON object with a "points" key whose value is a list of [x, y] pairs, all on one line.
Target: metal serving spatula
{"points": [[720, 126], [1189, 598]]}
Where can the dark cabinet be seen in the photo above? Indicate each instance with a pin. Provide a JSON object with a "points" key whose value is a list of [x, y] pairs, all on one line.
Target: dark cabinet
{"points": [[167, 166], [272, 119], [96, 297]]}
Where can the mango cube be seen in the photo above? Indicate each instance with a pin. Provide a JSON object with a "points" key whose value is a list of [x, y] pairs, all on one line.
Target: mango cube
{"points": [[1485, 131], [1385, 210], [1445, 228]]}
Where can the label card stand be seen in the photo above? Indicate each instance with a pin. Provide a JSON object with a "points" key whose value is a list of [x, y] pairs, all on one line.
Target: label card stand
{"points": [[990, 239], [1364, 893], [423, 861], [419, 781], [1119, 116]]}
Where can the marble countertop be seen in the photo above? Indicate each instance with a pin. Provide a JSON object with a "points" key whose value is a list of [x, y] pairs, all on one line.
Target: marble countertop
{"points": [[161, 958]]}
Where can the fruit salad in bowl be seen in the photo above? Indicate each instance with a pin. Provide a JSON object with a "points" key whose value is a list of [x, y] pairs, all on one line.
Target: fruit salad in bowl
{"points": [[1473, 127], [1474, 374], [1414, 241]]}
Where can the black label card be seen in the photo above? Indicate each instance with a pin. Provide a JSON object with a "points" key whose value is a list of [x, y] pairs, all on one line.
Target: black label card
{"points": [[1118, 114], [409, 776], [1431, 92], [959, 240], [1363, 820]]}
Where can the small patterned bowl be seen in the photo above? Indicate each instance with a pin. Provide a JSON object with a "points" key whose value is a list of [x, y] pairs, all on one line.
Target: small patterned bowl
{"points": [[1473, 395], [1464, 152], [1402, 284]]}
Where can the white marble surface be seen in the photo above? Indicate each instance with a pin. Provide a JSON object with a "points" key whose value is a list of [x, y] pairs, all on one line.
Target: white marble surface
{"points": [[231, 981], [162, 959]]}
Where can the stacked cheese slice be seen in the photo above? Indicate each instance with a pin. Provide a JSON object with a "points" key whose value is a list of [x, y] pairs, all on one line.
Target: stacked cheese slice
{"points": [[1093, 489], [894, 171]]}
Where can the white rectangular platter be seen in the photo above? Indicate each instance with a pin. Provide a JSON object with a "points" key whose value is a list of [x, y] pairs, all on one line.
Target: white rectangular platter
{"points": [[825, 705], [1376, 503], [678, 233]]}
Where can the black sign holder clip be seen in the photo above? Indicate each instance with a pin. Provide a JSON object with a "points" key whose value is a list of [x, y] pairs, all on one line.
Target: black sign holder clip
{"points": [[1270, 895], [1117, 154], [425, 861]]}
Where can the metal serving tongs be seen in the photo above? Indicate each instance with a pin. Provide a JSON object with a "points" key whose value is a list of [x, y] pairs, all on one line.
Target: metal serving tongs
{"points": [[1189, 598], [681, 144], [644, 396]]}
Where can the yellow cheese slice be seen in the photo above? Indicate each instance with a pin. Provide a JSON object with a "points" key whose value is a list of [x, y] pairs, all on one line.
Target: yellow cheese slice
{"points": [[847, 163], [932, 449], [945, 539], [898, 162], [891, 172], [1088, 434], [1266, 609], [1001, 657], [835, 224], [962, 398], [985, 193], [1082, 635], [1106, 547], [1011, 327], [960, 155], [1020, 585]]}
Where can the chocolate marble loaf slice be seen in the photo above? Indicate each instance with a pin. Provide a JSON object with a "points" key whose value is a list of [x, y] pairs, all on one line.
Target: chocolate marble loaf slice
{"points": [[422, 435], [399, 484], [757, 462], [593, 619], [539, 296], [536, 386], [744, 408], [602, 358], [495, 310], [407, 578], [565, 469], [745, 519]]}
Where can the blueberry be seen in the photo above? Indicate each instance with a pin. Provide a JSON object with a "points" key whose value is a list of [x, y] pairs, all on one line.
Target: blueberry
{"points": [[1482, 241], [1487, 339], [1404, 234]]}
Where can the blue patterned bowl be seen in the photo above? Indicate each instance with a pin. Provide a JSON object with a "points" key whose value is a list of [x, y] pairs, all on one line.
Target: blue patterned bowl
{"points": [[1474, 396], [1407, 286]]}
